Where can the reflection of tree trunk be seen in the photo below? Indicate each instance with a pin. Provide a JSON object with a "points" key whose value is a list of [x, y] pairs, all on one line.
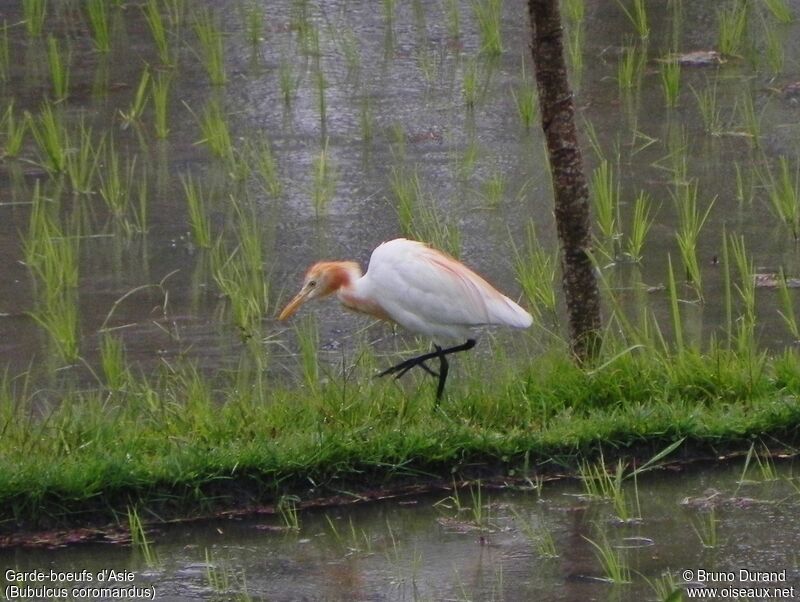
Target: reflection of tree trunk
{"points": [[569, 182]]}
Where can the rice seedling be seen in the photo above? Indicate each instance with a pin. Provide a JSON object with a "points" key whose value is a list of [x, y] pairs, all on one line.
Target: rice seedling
{"points": [[407, 191], [750, 120], [367, 120], [477, 508], [630, 67], [787, 312], [59, 69], [640, 226], [240, 274], [574, 11], [5, 57], [198, 212], [613, 562], [706, 529], [267, 167], [214, 126], [34, 12], [112, 363], [606, 192], [470, 83], [389, 8], [15, 130], [538, 535], [175, 10], [494, 188], [82, 159], [324, 180], [746, 288], [310, 43], [488, 15], [212, 48], [287, 81], [575, 50], [690, 223], [139, 537], [666, 588], [99, 21], [526, 100], [139, 102], [536, 273], [708, 106], [51, 137], [308, 342], [637, 15], [321, 85], [160, 87], [599, 483], [670, 71], [784, 195], [287, 508], [254, 23], [138, 214], [116, 182], [58, 316], [780, 9], [775, 54], [453, 13], [764, 465], [155, 21], [350, 47], [732, 26]]}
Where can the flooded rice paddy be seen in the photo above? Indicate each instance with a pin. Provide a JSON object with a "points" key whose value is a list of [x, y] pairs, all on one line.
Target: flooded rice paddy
{"points": [[169, 168], [543, 543]]}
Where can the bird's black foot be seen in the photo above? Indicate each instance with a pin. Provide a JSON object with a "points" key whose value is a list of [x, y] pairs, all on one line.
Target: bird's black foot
{"points": [[404, 366]]}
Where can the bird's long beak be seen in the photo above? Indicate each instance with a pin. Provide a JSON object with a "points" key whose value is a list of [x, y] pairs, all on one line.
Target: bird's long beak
{"points": [[294, 304]]}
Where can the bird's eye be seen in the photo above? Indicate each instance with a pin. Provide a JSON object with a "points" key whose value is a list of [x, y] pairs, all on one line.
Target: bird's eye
{"points": [[312, 283]]}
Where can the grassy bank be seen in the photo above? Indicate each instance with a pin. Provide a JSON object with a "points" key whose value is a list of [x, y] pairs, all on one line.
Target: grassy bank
{"points": [[179, 444]]}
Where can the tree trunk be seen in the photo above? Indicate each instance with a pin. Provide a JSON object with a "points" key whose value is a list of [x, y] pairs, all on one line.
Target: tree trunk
{"points": [[569, 182]]}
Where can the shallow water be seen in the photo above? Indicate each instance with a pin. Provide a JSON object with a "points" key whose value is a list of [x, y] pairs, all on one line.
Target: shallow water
{"points": [[408, 79], [424, 548]]}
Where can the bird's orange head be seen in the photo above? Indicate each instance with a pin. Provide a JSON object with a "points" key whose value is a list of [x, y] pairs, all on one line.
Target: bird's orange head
{"points": [[322, 279]]}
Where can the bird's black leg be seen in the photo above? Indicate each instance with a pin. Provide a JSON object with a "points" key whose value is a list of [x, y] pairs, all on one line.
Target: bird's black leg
{"points": [[404, 366], [443, 368]]}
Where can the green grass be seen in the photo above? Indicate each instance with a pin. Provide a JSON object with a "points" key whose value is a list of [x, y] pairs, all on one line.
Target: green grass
{"points": [[172, 439]]}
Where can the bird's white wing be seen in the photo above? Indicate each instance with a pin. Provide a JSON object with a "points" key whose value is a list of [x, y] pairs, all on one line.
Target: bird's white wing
{"points": [[429, 292]]}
